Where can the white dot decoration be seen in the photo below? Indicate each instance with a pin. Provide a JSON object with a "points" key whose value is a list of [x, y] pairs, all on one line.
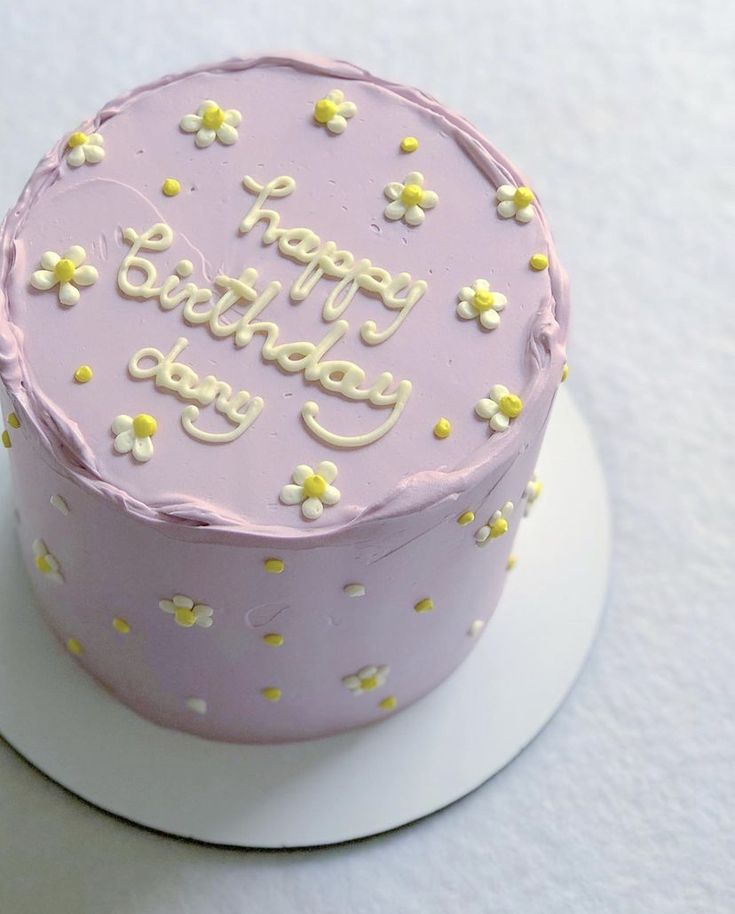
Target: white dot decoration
{"points": [[476, 627], [58, 502], [355, 590], [198, 705]]}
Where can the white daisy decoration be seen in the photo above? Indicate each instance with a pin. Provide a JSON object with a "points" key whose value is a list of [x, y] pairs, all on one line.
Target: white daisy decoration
{"points": [[409, 199], [515, 202], [187, 612], [478, 301], [46, 562], [66, 270], [531, 493], [312, 488], [85, 148], [333, 111], [133, 435], [500, 407], [212, 123], [496, 526], [366, 679]]}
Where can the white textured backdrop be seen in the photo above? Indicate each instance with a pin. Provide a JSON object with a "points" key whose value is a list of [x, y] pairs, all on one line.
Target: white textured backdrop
{"points": [[621, 112]]}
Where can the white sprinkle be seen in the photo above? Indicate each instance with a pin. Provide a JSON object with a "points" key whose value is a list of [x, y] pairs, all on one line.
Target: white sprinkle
{"points": [[197, 704], [58, 502], [476, 627], [355, 590]]}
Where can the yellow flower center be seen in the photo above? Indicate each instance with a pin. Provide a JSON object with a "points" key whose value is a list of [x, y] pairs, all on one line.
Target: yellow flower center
{"points": [[412, 195], [483, 300], [315, 486], [369, 683], [213, 118], [64, 270], [510, 405], [498, 528], [324, 110], [77, 139], [184, 616], [144, 425], [523, 196], [43, 565]]}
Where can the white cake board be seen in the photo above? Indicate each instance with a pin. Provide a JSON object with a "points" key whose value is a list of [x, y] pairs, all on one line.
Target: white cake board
{"points": [[323, 792]]}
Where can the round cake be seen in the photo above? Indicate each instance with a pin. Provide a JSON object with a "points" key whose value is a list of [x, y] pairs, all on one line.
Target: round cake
{"points": [[279, 342]]}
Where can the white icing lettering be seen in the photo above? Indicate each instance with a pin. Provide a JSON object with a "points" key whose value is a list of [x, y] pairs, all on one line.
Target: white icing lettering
{"points": [[238, 408], [398, 293]]}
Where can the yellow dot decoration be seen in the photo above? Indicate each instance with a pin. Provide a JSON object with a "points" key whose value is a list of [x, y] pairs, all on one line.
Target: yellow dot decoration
{"points": [[171, 187], [314, 486], [6, 439], [273, 639], [77, 139], [271, 693], [13, 421], [423, 606], [409, 144], [389, 703], [538, 262], [498, 528], [73, 646], [213, 118], [42, 563], [466, 518], [274, 566], [144, 426], [324, 110], [83, 374], [411, 195], [511, 405], [64, 270], [511, 563], [564, 373], [120, 625], [523, 196], [443, 428]]}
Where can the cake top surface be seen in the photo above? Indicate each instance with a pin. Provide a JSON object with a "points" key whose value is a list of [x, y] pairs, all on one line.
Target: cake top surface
{"points": [[279, 294]]}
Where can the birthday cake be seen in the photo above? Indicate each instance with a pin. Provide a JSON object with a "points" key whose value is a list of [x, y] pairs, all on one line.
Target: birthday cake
{"points": [[279, 342]]}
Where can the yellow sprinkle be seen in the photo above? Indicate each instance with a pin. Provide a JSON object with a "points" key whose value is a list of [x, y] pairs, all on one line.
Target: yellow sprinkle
{"points": [[77, 139], [120, 625], [171, 187], [409, 144], [538, 262], [443, 428], [271, 693], [424, 605], [523, 196], [274, 566], [73, 646], [511, 564], [274, 639], [83, 374], [6, 439], [13, 421], [388, 703], [144, 425], [466, 518], [565, 372]]}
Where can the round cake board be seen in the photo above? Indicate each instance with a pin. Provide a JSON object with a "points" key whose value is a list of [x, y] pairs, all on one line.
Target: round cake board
{"points": [[351, 785]]}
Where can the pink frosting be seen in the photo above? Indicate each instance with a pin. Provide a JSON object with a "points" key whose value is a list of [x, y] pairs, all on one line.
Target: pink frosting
{"points": [[200, 519]]}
